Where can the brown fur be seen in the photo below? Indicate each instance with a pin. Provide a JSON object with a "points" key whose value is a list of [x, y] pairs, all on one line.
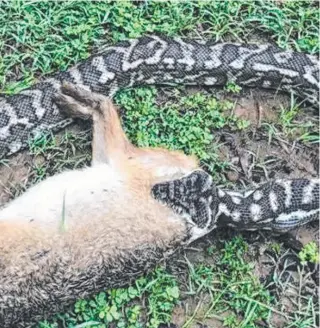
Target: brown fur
{"points": [[48, 265]]}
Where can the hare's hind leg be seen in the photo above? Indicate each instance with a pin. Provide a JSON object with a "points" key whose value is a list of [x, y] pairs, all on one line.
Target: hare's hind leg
{"points": [[109, 142]]}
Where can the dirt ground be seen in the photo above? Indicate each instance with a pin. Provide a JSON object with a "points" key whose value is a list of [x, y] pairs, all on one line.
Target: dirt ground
{"points": [[255, 159]]}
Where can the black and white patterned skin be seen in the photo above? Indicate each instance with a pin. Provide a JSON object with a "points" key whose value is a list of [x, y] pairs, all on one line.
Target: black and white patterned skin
{"points": [[195, 198], [157, 60], [279, 205]]}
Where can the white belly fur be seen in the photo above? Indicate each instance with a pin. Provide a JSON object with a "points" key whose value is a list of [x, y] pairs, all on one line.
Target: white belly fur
{"points": [[88, 190]]}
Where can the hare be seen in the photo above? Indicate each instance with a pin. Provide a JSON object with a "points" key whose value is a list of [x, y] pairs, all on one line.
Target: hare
{"points": [[80, 231]]}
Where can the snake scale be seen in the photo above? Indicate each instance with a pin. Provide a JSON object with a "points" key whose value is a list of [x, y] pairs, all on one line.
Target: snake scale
{"points": [[278, 205], [162, 60]]}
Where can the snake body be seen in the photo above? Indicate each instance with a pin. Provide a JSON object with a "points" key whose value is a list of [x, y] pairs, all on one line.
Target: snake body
{"points": [[157, 60], [278, 205]]}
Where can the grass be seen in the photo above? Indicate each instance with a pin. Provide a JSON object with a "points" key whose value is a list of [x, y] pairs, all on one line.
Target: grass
{"points": [[121, 307], [309, 253], [38, 38], [232, 287], [292, 124], [41, 37]]}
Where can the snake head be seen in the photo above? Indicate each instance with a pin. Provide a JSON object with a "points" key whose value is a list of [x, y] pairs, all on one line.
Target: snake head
{"points": [[193, 197]]}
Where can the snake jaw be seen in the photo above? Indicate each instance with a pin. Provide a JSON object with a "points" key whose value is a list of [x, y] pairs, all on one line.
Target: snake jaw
{"points": [[193, 197]]}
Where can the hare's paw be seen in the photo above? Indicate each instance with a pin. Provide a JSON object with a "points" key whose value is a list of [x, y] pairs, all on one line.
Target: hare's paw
{"points": [[76, 101]]}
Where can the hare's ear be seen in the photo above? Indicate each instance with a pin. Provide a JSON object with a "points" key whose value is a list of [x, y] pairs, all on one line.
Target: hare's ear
{"points": [[193, 196]]}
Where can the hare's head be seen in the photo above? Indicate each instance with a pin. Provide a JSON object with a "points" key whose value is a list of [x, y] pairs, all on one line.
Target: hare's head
{"points": [[194, 198]]}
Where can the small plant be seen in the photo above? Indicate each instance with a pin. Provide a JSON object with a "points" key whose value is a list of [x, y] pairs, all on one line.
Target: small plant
{"points": [[309, 253], [163, 296], [202, 277], [291, 125], [40, 172], [231, 321], [211, 249], [276, 247], [233, 87], [41, 144], [287, 116], [120, 307]]}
